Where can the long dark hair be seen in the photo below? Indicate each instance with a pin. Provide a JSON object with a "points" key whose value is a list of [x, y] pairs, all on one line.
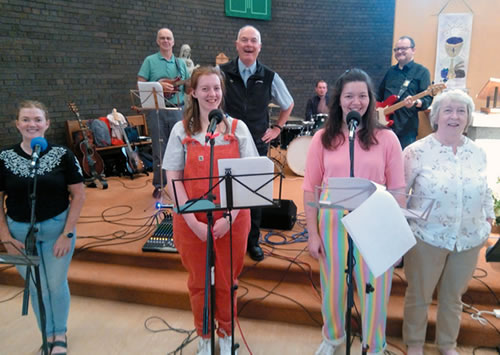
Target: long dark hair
{"points": [[192, 124], [333, 136]]}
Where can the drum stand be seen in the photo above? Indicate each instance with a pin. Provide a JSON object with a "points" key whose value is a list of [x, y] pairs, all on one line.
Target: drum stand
{"points": [[277, 156]]}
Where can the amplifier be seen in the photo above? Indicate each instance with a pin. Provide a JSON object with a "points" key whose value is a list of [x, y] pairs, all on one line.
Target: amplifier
{"points": [[282, 217]]}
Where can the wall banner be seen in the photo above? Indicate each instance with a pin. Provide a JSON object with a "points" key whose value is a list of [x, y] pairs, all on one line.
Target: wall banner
{"points": [[453, 47]]}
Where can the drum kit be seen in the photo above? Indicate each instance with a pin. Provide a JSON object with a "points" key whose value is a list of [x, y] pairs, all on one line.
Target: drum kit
{"points": [[296, 137]]}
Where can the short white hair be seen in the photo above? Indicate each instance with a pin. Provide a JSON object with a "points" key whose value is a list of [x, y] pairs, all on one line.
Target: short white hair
{"points": [[455, 95], [249, 26]]}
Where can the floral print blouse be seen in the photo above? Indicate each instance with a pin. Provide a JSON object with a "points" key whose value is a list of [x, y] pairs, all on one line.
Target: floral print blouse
{"points": [[458, 184]]}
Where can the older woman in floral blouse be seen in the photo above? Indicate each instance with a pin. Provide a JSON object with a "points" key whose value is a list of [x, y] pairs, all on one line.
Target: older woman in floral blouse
{"points": [[450, 168]]}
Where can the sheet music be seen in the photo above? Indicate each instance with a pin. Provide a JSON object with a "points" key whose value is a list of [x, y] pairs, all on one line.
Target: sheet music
{"points": [[146, 94], [380, 231], [263, 184], [377, 221]]}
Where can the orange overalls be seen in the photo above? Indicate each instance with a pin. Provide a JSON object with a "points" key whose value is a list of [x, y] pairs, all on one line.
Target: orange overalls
{"points": [[193, 250]]}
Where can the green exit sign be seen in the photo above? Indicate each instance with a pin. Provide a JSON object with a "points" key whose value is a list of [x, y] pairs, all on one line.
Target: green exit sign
{"points": [[255, 9]]}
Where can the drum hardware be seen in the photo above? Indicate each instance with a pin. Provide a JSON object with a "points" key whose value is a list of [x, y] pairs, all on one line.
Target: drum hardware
{"points": [[308, 128], [289, 132], [319, 120], [277, 156]]}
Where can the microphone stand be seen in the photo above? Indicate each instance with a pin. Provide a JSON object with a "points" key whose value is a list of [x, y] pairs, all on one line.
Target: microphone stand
{"points": [[350, 263], [210, 261], [30, 247], [350, 259], [229, 204]]}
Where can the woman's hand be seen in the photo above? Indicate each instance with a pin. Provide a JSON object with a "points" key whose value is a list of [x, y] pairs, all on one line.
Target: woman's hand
{"points": [[9, 246], [315, 246], [62, 246], [221, 227], [199, 229]]}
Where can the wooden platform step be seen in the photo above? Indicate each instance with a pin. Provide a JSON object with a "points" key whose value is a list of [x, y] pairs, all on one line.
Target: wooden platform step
{"points": [[273, 289]]}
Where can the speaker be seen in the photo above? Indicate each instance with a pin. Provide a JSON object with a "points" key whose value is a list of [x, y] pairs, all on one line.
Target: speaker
{"points": [[493, 253], [282, 217]]}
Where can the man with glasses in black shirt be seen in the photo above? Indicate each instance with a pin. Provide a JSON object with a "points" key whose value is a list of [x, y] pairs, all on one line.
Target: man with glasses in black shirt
{"points": [[406, 79]]}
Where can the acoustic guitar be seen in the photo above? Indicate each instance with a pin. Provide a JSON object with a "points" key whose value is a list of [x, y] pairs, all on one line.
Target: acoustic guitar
{"points": [[386, 108], [176, 82], [134, 163], [91, 162]]}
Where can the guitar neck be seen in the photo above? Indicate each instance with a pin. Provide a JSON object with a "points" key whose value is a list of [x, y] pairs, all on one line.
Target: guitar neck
{"points": [[125, 137], [400, 104], [82, 125]]}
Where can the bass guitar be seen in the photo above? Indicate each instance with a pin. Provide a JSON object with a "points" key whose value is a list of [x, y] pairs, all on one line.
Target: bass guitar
{"points": [[134, 163], [91, 161], [386, 108]]}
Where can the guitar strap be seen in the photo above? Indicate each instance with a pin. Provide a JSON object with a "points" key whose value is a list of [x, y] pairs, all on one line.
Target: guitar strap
{"points": [[179, 75], [407, 81]]}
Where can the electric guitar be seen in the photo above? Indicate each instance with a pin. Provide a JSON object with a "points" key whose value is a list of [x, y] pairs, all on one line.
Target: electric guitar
{"points": [[134, 163], [91, 161], [386, 108]]}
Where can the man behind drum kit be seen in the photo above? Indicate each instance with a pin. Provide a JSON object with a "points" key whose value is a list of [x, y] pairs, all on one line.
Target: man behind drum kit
{"points": [[319, 102]]}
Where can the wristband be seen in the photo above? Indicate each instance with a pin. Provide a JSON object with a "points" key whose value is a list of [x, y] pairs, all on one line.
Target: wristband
{"points": [[277, 125]]}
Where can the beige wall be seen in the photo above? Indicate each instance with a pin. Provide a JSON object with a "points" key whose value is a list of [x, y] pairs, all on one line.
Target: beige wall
{"points": [[418, 19]]}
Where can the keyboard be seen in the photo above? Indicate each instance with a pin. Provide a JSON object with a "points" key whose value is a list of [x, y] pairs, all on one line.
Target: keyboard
{"points": [[162, 239]]}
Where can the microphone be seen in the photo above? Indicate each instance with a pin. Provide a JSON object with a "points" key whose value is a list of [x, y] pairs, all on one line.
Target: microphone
{"points": [[215, 117], [353, 118], [38, 145]]}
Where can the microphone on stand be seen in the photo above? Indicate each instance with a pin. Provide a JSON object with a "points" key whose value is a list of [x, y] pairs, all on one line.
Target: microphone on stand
{"points": [[353, 118], [38, 145], [215, 117]]}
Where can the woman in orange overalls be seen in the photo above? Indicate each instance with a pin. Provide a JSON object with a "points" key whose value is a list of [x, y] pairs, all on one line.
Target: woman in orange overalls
{"points": [[187, 156]]}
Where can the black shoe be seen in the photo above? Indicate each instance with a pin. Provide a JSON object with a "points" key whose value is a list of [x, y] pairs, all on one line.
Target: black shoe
{"points": [[255, 252], [157, 193]]}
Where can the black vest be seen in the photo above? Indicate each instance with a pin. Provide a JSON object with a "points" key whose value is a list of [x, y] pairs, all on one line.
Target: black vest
{"points": [[249, 104]]}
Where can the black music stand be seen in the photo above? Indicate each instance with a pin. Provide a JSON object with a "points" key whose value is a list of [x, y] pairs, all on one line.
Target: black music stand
{"points": [[205, 203]]}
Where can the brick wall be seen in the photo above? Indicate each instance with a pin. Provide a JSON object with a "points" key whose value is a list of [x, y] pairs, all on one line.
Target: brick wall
{"points": [[90, 51]]}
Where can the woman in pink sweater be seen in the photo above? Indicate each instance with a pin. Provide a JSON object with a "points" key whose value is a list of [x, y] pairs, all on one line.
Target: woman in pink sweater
{"points": [[378, 158]]}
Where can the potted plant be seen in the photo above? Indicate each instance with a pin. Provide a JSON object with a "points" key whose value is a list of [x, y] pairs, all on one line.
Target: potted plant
{"points": [[496, 206]]}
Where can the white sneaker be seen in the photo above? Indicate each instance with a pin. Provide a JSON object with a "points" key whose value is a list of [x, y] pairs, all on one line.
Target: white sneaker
{"points": [[325, 348], [225, 345], [204, 347]]}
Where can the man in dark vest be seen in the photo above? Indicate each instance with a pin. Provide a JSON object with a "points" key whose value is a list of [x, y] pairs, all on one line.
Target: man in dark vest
{"points": [[250, 87]]}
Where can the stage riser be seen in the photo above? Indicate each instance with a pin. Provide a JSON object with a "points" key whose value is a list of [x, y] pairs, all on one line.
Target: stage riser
{"points": [[131, 289]]}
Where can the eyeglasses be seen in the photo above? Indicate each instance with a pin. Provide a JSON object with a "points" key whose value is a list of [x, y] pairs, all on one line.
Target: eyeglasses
{"points": [[401, 49]]}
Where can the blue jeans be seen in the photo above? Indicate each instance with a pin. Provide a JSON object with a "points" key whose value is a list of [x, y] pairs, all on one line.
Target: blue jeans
{"points": [[53, 272]]}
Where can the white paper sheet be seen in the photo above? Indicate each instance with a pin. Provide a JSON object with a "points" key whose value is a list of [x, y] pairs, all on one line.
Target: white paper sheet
{"points": [[242, 196], [380, 231], [146, 94]]}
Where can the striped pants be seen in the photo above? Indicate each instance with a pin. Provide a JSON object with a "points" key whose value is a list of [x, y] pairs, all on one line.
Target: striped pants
{"points": [[373, 305]]}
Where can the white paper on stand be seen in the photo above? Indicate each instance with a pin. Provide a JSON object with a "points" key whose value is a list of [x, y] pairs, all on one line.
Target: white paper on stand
{"points": [[147, 96], [242, 196], [379, 229]]}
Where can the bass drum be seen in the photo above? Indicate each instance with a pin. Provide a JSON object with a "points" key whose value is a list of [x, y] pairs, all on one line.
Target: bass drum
{"points": [[297, 153]]}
